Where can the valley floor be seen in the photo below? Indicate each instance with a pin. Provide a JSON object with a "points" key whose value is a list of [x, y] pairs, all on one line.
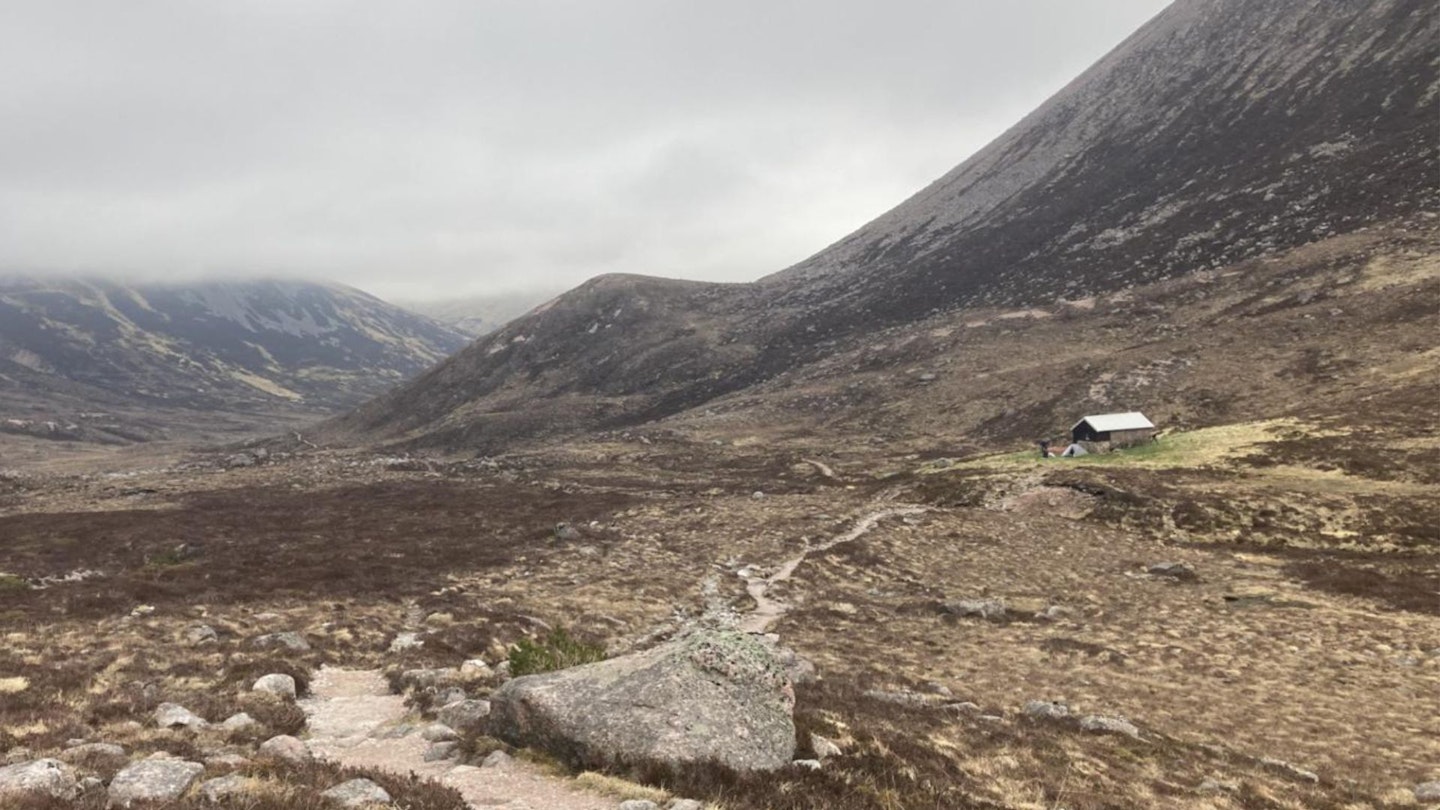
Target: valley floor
{"points": [[1288, 656]]}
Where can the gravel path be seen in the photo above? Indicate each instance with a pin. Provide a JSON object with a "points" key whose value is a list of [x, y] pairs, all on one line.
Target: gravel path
{"points": [[355, 720], [767, 610]]}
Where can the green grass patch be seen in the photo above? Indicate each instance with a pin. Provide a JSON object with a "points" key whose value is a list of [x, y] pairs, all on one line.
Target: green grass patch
{"points": [[10, 582], [1191, 448], [555, 650]]}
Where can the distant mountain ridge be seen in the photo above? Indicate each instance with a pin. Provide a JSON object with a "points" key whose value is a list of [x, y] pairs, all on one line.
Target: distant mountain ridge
{"points": [[480, 314], [1221, 132], [211, 344]]}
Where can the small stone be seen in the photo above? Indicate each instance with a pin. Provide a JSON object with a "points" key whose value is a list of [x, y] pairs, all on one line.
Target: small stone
{"points": [[289, 640], [439, 732], [172, 715], [441, 751], [240, 723], [41, 777], [286, 748], [502, 670], [96, 755], [1216, 786], [357, 793], [1428, 792], [231, 761], [684, 804], [1046, 710], [638, 804], [497, 759], [986, 609], [91, 784], [201, 634], [406, 641], [464, 715], [1109, 725], [426, 678], [276, 684], [1282, 767], [226, 787], [1177, 571], [475, 669], [823, 747], [153, 780], [807, 764], [453, 694]]}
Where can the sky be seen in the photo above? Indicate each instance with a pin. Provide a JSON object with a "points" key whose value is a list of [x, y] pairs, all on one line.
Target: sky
{"points": [[455, 148]]}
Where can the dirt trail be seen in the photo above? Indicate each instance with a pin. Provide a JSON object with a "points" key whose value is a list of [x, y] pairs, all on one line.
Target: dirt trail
{"points": [[767, 610], [355, 720]]}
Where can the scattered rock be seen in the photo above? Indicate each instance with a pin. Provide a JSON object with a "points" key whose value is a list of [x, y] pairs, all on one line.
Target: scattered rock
{"points": [[1216, 786], [41, 777], [201, 634], [453, 694], [823, 747], [502, 670], [441, 751], [427, 678], [497, 759], [475, 669], [564, 532], [18, 754], [91, 785], [439, 732], [684, 804], [153, 780], [987, 609], [357, 793], [289, 640], [637, 804], [464, 715], [286, 748], [173, 715], [226, 787], [241, 723], [1177, 571], [1046, 710], [96, 755], [808, 764], [708, 695], [276, 684], [904, 697], [231, 761], [963, 707], [1109, 725], [1284, 768], [406, 641], [1428, 792]]}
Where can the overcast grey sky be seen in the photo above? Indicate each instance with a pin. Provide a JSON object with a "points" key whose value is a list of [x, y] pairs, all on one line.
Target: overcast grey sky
{"points": [[432, 149]]}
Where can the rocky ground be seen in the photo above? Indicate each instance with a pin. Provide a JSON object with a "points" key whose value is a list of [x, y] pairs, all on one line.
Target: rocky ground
{"points": [[987, 630]]}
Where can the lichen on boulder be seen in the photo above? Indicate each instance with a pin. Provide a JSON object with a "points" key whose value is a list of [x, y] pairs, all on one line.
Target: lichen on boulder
{"points": [[717, 696]]}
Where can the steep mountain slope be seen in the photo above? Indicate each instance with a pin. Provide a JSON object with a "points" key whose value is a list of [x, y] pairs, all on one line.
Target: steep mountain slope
{"points": [[1221, 131], [211, 345]]}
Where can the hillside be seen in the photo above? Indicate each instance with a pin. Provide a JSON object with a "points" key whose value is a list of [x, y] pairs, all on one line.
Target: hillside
{"points": [[481, 314], [1219, 133], [73, 351]]}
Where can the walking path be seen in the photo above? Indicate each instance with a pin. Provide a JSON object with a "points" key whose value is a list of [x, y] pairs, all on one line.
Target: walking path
{"points": [[355, 720], [767, 610]]}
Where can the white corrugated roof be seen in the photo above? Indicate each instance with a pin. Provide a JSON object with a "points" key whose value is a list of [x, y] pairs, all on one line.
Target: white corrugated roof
{"points": [[1106, 422]]}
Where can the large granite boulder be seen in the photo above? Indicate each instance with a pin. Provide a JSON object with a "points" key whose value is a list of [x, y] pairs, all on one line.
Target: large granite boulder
{"points": [[719, 696]]}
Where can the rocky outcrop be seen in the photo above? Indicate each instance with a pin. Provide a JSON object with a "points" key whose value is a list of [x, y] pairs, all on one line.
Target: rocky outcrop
{"points": [[718, 696]]}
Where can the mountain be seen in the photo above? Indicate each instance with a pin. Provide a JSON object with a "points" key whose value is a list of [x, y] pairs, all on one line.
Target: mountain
{"points": [[93, 345], [481, 314], [1221, 134]]}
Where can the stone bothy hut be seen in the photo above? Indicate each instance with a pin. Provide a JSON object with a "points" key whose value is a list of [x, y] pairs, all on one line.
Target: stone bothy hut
{"points": [[1119, 429]]}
